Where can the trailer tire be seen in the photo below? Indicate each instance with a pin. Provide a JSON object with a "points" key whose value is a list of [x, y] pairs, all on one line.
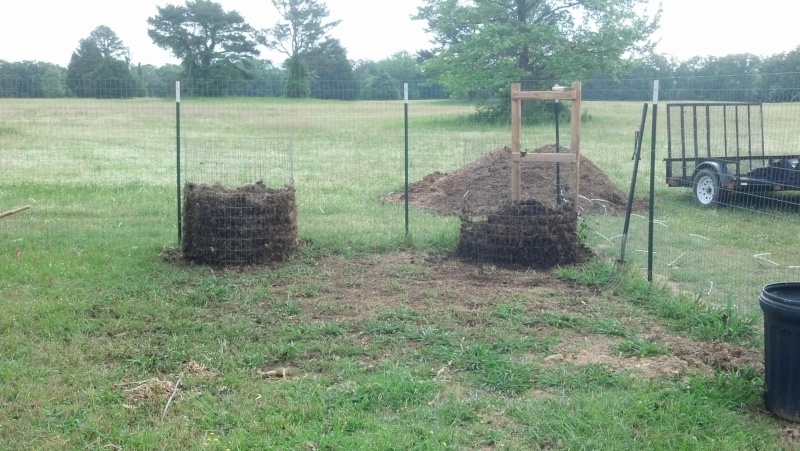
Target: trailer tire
{"points": [[707, 190]]}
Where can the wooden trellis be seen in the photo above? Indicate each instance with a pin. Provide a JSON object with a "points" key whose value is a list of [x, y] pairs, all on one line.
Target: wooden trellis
{"points": [[572, 93]]}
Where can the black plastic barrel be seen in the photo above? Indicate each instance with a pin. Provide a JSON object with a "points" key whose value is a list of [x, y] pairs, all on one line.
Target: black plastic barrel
{"points": [[781, 305]]}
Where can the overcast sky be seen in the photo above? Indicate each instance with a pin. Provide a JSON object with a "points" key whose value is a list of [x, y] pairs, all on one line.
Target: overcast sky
{"points": [[50, 30]]}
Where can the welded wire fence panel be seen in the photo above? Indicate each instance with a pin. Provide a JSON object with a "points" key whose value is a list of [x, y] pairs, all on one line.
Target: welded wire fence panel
{"points": [[103, 164], [337, 157], [725, 202], [88, 141], [238, 203], [86, 167], [237, 161]]}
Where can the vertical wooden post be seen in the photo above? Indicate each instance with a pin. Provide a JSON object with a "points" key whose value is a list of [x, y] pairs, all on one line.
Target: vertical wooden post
{"points": [[516, 143], [576, 136]]}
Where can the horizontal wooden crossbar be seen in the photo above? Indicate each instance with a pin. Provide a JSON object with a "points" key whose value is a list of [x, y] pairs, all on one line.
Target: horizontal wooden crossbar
{"points": [[545, 157], [568, 94]]}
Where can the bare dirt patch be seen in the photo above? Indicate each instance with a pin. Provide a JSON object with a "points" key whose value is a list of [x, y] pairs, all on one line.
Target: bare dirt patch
{"points": [[427, 283], [716, 356], [159, 389], [685, 356], [468, 295], [149, 390], [790, 436], [584, 350]]}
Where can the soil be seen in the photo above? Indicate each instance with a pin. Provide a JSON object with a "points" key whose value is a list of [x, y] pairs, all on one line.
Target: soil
{"points": [[540, 230], [251, 224], [525, 233], [485, 183], [469, 293]]}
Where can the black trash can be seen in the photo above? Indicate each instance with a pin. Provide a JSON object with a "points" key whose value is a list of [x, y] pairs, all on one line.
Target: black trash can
{"points": [[781, 305]]}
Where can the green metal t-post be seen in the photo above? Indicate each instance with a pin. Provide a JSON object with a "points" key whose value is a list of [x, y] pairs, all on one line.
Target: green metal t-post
{"points": [[405, 108], [652, 184], [178, 151]]}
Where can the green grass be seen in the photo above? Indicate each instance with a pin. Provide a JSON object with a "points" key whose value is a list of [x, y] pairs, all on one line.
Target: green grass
{"points": [[93, 310], [75, 351]]}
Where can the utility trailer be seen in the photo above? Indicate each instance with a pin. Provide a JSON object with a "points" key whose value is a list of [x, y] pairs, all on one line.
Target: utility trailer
{"points": [[718, 148]]}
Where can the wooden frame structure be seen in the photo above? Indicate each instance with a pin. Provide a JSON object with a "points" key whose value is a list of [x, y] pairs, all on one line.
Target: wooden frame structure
{"points": [[572, 93]]}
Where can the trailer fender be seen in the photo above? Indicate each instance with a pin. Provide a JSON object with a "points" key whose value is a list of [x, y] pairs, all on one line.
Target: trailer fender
{"points": [[724, 177]]}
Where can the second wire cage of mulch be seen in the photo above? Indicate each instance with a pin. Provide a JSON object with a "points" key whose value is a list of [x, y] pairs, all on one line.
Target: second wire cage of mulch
{"points": [[239, 203], [538, 231]]}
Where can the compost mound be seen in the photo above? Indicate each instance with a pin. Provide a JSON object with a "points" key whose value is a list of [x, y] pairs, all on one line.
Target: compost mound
{"points": [[486, 183], [524, 234], [251, 224]]}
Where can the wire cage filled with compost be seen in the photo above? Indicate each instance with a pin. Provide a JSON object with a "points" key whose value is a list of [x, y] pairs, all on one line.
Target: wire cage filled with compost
{"points": [[239, 203], [540, 230]]}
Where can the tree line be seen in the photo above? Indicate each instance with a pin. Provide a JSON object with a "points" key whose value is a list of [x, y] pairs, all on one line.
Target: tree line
{"points": [[478, 49], [219, 56], [732, 78], [368, 80]]}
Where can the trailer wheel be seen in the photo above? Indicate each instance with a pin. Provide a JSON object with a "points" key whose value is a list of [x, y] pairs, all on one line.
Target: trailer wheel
{"points": [[707, 191]]}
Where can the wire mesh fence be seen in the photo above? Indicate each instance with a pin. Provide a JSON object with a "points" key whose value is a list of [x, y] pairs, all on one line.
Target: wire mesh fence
{"points": [[107, 169], [238, 199]]}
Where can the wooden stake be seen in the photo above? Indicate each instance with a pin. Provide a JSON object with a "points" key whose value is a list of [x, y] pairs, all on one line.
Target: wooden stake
{"points": [[14, 211], [516, 141]]}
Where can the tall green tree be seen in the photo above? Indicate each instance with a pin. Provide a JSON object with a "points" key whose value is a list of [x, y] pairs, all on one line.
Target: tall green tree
{"points": [[264, 80], [86, 58], [484, 45], [331, 73], [53, 82], [296, 83], [302, 28], [158, 81], [112, 79], [401, 68], [209, 41], [109, 44], [99, 67], [381, 86], [780, 76]]}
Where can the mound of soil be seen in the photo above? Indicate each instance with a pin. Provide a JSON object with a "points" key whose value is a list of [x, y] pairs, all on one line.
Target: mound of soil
{"points": [[483, 185], [540, 231], [247, 225]]}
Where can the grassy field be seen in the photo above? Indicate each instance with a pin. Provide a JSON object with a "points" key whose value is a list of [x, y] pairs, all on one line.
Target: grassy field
{"points": [[108, 343]]}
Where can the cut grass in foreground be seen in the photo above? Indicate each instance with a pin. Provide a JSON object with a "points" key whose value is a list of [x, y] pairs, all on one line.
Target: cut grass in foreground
{"points": [[372, 351]]}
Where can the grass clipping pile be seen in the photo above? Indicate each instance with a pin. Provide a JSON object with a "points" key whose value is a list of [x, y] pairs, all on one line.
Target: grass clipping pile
{"points": [[251, 224], [534, 233]]}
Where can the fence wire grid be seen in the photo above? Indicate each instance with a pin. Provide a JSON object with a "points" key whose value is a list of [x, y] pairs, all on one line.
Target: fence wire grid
{"points": [[109, 168]]}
